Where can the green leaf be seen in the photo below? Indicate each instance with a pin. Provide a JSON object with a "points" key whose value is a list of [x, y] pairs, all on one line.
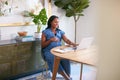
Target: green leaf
{"points": [[6, 2], [69, 13], [43, 16], [72, 6], [59, 4], [39, 19]]}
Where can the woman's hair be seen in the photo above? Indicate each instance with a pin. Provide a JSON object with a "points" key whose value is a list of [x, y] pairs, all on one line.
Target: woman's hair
{"points": [[50, 20]]}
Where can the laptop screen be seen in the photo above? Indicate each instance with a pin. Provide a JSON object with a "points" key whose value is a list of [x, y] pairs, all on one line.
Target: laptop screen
{"points": [[85, 42]]}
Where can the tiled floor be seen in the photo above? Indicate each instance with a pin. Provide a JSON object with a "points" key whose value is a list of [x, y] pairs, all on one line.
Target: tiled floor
{"points": [[89, 73]]}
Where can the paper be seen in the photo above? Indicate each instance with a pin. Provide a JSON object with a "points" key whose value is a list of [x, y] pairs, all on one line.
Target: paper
{"points": [[64, 50]]}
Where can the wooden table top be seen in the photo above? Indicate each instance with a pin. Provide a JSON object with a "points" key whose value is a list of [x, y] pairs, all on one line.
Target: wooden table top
{"points": [[85, 56]]}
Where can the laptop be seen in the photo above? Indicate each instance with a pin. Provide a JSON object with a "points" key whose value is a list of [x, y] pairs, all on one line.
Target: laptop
{"points": [[85, 43]]}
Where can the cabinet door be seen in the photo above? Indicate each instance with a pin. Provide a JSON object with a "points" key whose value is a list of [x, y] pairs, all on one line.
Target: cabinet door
{"points": [[6, 53], [22, 59], [6, 58]]}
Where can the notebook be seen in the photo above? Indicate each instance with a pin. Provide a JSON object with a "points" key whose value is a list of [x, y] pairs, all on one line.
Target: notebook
{"points": [[85, 43]]}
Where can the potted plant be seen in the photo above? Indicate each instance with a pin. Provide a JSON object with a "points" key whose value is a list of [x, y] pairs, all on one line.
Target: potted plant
{"points": [[73, 8], [38, 19]]}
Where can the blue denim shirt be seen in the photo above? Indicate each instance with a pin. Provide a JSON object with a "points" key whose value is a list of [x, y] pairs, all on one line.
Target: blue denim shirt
{"points": [[49, 34]]}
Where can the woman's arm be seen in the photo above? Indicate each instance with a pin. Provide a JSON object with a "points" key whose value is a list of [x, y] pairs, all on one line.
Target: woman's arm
{"points": [[68, 41], [44, 42]]}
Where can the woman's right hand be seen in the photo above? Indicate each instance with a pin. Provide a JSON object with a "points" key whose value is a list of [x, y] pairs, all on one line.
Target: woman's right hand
{"points": [[54, 39]]}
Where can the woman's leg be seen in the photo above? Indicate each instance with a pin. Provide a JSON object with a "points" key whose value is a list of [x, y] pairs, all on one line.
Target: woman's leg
{"points": [[66, 66], [60, 69], [63, 73], [50, 61]]}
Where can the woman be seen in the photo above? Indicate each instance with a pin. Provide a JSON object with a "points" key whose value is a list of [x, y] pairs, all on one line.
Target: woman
{"points": [[51, 37]]}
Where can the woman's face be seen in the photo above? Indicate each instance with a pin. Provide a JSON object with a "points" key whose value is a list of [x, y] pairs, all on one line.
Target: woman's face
{"points": [[55, 23]]}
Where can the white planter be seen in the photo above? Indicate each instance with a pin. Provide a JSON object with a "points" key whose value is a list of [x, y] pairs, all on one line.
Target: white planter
{"points": [[37, 35]]}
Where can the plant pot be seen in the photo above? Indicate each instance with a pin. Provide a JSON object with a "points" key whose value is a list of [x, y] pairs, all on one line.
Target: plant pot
{"points": [[37, 35]]}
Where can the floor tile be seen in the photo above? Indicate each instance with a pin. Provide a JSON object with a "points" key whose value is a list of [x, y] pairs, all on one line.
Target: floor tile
{"points": [[89, 73]]}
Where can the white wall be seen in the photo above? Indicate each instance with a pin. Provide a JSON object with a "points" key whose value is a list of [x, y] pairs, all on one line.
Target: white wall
{"points": [[109, 39], [11, 32], [86, 24]]}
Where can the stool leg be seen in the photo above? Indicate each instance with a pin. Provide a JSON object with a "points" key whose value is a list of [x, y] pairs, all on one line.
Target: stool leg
{"points": [[46, 67]]}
